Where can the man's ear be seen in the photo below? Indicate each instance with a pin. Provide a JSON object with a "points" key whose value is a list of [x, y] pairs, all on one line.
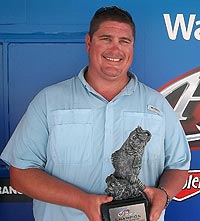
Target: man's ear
{"points": [[87, 42]]}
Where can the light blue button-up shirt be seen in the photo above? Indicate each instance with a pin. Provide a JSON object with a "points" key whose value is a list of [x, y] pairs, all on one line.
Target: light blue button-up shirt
{"points": [[70, 131]]}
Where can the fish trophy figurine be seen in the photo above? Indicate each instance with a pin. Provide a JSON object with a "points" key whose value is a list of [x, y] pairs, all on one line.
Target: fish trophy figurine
{"points": [[129, 201]]}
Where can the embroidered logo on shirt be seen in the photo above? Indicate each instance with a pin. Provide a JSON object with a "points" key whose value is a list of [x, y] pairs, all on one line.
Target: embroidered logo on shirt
{"points": [[154, 109]]}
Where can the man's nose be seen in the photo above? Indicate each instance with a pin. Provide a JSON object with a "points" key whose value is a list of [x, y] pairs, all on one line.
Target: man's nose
{"points": [[115, 45]]}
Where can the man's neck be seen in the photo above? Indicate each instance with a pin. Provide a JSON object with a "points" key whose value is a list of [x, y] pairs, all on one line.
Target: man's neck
{"points": [[108, 89]]}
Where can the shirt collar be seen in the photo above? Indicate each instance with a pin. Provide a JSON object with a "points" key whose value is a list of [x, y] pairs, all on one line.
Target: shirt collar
{"points": [[129, 89], [83, 81]]}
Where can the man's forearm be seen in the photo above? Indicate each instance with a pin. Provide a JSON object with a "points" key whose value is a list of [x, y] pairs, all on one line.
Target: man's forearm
{"points": [[173, 181], [40, 185]]}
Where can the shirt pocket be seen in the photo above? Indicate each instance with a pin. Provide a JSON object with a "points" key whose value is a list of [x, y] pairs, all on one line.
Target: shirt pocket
{"points": [[70, 139]]}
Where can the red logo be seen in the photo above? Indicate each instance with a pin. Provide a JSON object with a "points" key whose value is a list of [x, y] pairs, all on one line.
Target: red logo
{"points": [[183, 93], [191, 187], [124, 212]]}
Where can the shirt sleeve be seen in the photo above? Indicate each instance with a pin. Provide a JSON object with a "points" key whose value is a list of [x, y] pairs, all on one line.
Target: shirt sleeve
{"points": [[27, 146], [177, 151]]}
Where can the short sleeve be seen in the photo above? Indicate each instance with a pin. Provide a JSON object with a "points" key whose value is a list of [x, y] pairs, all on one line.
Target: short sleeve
{"points": [[27, 146], [177, 151]]}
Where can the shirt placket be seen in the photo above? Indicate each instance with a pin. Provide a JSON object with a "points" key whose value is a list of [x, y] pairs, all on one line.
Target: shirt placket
{"points": [[107, 167]]}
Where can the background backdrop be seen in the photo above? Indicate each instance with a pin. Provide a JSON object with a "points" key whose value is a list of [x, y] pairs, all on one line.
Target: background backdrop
{"points": [[42, 42]]}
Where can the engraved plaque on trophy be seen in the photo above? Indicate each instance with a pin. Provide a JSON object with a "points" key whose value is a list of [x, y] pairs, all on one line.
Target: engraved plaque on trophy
{"points": [[129, 201]]}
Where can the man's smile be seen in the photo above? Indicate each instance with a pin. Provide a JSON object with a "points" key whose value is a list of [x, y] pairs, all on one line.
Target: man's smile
{"points": [[113, 59]]}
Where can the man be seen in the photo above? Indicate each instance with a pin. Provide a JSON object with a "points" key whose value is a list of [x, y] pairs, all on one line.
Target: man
{"points": [[60, 153]]}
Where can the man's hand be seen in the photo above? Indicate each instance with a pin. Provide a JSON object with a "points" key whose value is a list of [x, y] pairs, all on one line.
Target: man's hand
{"points": [[173, 181], [92, 206], [157, 198]]}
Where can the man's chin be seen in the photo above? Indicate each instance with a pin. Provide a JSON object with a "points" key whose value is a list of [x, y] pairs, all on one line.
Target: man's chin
{"points": [[112, 71]]}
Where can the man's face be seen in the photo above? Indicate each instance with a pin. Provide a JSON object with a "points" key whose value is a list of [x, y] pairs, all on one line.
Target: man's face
{"points": [[110, 50]]}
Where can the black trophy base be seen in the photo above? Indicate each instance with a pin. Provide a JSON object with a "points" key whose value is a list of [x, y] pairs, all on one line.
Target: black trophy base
{"points": [[136, 209]]}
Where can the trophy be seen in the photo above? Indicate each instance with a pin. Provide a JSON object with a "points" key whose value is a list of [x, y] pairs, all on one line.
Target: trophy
{"points": [[129, 201]]}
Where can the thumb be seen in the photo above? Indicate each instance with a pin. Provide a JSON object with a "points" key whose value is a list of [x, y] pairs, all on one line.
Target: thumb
{"points": [[108, 199]]}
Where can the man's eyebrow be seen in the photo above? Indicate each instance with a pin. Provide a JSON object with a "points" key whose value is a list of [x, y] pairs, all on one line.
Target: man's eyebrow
{"points": [[105, 35], [121, 38]]}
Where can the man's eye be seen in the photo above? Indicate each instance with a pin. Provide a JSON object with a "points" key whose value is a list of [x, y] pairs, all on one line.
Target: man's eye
{"points": [[124, 41], [106, 39]]}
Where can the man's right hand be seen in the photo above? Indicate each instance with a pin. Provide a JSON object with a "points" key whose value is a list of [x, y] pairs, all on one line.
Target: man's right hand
{"points": [[93, 204]]}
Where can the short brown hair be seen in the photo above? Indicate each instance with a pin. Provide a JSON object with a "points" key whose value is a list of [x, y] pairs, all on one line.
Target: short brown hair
{"points": [[110, 13]]}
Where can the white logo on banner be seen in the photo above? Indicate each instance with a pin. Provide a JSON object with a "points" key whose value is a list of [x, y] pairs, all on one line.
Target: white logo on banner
{"points": [[186, 30]]}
